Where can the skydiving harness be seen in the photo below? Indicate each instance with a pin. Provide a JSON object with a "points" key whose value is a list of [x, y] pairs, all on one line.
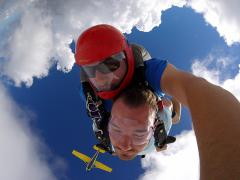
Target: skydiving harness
{"points": [[100, 116]]}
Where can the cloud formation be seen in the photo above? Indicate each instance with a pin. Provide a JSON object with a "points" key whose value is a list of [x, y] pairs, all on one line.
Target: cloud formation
{"points": [[169, 164], [221, 14], [215, 70], [35, 35], [23, 155]]}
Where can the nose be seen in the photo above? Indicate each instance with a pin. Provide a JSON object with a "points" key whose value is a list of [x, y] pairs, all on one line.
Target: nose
{"points": [[125, 144], [99, 75], [100, 79]]}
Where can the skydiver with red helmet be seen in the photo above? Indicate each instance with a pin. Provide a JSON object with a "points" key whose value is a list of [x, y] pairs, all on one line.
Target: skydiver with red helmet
{"points": [[106, 58], [109, 64]]}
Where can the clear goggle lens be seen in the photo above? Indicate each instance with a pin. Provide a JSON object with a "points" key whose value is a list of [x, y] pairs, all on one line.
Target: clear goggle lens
{"points": [[135, 139], [109, 65]]}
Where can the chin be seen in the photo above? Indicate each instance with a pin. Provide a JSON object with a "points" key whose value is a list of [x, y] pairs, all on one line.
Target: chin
{"points": [[126, 157]]}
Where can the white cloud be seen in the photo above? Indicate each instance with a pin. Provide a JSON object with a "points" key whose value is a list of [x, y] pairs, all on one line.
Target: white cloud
{"points": [[23, 155], [35, 34], [218, 73], [30, 49], [200, 69], [169, 164], [221, 14], [233, 85]]}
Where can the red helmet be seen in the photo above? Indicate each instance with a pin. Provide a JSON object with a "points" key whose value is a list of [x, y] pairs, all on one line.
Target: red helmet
{"points": [[100, 42]]}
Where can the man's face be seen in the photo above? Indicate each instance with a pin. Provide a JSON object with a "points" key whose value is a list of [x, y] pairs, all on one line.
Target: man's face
{"points": [[130, 129], [108, 75]]}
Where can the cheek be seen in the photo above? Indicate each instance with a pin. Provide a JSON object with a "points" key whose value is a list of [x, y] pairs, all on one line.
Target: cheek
{"points": [[139, 148], [115, 141], [121, 71], [113, 138]]}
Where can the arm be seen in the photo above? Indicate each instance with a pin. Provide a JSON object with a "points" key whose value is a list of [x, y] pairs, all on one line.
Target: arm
{"points": [[215, 116]]}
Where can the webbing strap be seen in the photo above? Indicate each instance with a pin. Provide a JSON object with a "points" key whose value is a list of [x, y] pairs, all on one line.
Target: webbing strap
{"points": [[160, 135], [100, 117]]}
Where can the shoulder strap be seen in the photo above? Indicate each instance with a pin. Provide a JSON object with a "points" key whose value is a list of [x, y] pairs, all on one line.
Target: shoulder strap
{"points": [[160, 135], [140, 55]]}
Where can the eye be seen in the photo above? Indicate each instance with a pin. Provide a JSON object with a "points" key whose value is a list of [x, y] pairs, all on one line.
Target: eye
{"points": [[112, 64], [138, 136], [115, 130]]}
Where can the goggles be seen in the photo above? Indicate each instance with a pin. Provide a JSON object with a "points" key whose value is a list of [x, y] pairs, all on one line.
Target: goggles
{"points": [[108, 65], [136, 139]]}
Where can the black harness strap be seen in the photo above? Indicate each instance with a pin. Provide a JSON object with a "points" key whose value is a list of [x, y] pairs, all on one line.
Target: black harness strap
{"points": [[160, 135], [100, 117]]}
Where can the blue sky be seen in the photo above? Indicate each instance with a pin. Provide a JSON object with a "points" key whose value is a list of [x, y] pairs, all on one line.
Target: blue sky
{"points": [[47, 112]]}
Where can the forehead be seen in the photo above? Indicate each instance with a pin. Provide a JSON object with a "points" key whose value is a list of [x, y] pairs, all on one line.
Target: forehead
{"points": [[122, 114]]}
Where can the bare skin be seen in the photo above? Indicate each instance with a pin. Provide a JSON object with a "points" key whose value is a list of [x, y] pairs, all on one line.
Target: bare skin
{"points": [[215, 116], [130, 134]]}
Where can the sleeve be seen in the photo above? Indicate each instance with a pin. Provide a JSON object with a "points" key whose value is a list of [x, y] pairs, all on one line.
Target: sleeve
{"points": [[153, 74]]}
